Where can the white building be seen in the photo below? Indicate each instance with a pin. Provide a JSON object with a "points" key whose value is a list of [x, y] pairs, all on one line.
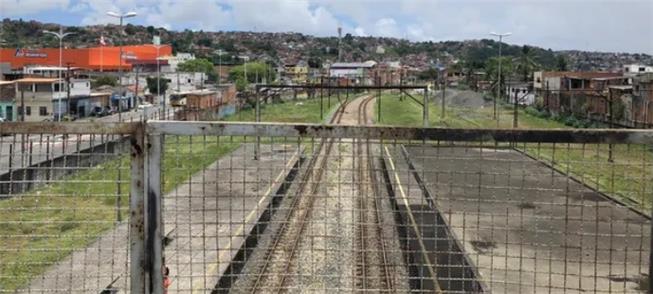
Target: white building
{"points": [[185, 81], [80, 87], [178, 81], [520, 92], [636, 69], [47, 71], [41, 97], [174, 61], [358, 72]]}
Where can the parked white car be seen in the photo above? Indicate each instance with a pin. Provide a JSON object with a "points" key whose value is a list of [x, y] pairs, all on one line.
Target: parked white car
{"points": [[144, 106]]}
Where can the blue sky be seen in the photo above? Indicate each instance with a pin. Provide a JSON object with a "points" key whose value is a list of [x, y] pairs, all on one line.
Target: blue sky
{"points": [[603, 25]]}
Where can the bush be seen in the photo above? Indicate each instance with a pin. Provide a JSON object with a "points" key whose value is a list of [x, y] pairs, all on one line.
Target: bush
{"points": [[570, 121], [536, 112]]}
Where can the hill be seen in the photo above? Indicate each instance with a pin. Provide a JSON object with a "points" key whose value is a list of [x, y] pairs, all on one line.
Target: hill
{"points": [[283, 48]]}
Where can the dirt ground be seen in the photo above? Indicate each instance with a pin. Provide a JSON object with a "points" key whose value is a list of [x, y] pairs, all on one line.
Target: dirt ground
{"points": [[462, 98], [529, 229]]}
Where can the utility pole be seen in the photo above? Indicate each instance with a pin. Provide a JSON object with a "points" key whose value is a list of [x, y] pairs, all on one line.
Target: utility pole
{"points": [[496, 117], [378, 98], [339, 43], [22, 103], [444, 87], [136, 84], [67, 89], [611, 122], [60, 35], [515, 112], [121, 17]]}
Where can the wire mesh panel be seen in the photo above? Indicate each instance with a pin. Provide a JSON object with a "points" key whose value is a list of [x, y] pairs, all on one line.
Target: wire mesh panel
{"points": [[381, 209], [539, 217], [64, 208]]}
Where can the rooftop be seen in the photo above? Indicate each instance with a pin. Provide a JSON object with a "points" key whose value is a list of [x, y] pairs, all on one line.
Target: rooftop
{"points": [[37, 80], [353, 64], [621, 87]]}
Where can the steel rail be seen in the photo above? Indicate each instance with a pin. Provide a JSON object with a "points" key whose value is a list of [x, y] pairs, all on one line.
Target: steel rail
{"points": [[365, 228], [278, 238]]}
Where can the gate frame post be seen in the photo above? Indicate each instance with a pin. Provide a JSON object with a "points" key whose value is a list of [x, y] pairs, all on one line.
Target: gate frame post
{"points": [[137, 212], [154, 262]]}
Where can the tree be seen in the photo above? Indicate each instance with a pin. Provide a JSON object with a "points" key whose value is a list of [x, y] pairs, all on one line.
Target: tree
{"points": [[561, 63], [348, 38], [105, 81], [314, 62], [130, 29], [526, 63], [254, 69], [430, 74], [199, 65], [152, 85], [492, 68], [241, 84]]}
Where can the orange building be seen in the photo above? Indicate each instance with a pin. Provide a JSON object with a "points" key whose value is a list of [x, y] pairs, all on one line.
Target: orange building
{"points": [[95, 58]]}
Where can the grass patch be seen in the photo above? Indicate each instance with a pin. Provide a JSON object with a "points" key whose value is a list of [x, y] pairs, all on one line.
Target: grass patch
{"points": [[45, 225], [300, 111], [625, 177]]}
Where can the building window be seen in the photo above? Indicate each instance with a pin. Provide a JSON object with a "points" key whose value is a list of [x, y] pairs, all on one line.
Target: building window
{"points": [[43, 111], [642, 69], [28, 110]]}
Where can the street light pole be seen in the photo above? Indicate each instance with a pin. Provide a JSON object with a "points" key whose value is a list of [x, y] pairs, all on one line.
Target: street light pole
{"points": [[60, 35], [162, 100], [499, 75], [219, 65], [121, 17]]}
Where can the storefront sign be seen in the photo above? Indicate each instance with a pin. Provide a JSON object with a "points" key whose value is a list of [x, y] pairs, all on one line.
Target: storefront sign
{"points": [[30, 53]]}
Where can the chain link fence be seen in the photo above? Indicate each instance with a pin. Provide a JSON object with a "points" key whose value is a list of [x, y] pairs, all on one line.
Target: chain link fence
{"points": [[249, 208]]}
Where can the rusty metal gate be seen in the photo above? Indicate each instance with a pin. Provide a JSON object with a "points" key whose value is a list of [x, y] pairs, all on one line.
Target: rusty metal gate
{"points": [[235, 207]]}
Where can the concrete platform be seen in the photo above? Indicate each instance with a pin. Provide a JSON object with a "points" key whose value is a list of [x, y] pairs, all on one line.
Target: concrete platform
{"points": [[205, 218], [209, 218], [529, 229]]}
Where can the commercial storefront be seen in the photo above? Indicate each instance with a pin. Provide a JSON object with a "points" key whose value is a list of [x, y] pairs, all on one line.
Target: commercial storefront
{"points": [[96, 58]]}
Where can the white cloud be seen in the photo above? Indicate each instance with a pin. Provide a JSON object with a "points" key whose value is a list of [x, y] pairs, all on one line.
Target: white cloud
{"points": [[283, 16], [20, 8], [609, 25], [387, 27]]}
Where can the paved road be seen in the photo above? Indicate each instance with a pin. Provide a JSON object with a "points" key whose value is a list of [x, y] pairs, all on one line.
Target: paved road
{"points": [[21, 151]]}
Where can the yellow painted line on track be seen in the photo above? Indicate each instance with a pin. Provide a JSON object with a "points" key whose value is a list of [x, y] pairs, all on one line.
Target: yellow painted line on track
{"points": [[413, 222], [198, 286]]}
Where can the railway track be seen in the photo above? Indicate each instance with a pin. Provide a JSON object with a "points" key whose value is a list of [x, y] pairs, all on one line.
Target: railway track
{"points": [[373, 267], [279, 256]]}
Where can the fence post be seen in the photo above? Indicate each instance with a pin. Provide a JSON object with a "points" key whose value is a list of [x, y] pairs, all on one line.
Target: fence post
{"points": [[153, 217], [257, 112], [426, 107], [137, 215]]}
